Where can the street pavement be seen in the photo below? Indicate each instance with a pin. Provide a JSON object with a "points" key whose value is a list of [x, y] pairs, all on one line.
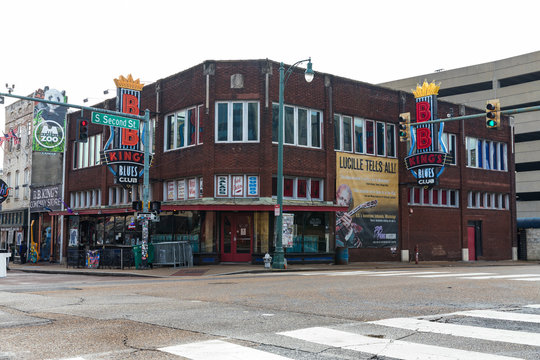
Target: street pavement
{"points": [[246, 268]]}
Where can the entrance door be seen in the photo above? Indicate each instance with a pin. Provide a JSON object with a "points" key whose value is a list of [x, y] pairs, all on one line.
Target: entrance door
{"points": [[474, 239], [236, 236], [471, 242]]}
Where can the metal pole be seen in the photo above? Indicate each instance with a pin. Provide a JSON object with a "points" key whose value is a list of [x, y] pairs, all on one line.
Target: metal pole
{"points": [[146, 175], [474, 116], [279, 259]]}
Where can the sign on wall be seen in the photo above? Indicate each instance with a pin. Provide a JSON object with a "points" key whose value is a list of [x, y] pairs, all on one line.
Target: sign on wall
{"points": [[428, 154], [368, 186], [4, 191], [123, 150], [49, 122], [46, 198]]}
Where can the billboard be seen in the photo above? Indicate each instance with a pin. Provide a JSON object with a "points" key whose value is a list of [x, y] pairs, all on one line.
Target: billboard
{"points": [[369, 187], [49, 122]]}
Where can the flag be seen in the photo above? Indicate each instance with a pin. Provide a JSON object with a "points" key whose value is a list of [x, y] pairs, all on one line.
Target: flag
{"points": [[13, 135]]}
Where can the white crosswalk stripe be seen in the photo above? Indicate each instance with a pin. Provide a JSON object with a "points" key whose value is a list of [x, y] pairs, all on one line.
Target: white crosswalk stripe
{"points": [[385, 347], [425, 274], [450, 275], [528, 279], [475, 332], [408, 273], [500, 315], [501, 276], [218, 349]]}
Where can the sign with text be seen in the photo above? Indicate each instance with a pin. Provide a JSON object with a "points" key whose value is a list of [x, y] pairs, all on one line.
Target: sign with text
{"points": [[123, 150], [428, 154], [49, 122], [368, 186], [115, 120], [46, 198]]}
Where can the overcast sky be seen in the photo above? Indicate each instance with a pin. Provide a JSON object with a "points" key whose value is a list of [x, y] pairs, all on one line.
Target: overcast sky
{"points": [[81, 46]]}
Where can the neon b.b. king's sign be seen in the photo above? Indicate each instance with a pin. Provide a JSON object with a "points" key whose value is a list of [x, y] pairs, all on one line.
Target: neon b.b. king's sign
{"points": [[428, 153]]}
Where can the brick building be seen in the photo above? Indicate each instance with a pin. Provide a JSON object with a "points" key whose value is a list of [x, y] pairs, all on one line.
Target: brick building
{"points": [[214, 144]]}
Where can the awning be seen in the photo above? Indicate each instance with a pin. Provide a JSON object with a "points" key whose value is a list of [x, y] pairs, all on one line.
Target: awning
{"points": [[209, 207], [94, 211]]}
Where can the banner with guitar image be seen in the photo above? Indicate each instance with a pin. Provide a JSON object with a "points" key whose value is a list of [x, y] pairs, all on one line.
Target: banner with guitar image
{"points": [[368, 185]]}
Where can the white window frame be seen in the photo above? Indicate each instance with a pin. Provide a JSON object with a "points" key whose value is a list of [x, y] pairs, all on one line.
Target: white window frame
{"points": [[478, 147], [245, 121], [309, 134], [174, 145]]}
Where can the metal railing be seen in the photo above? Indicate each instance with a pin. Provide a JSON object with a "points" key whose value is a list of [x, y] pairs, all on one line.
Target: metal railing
{"points": [[173, 253]]}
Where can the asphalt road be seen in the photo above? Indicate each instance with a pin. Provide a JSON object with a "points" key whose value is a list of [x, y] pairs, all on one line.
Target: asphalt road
{"points": [[458, 312]]}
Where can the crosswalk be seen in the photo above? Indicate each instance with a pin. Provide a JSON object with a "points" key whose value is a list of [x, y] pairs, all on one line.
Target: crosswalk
{"points": [[430, 337], [426, 274], [387, 347]]}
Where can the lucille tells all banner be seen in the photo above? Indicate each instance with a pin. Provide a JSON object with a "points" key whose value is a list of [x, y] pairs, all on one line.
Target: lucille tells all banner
{"points": [[369, 186]]}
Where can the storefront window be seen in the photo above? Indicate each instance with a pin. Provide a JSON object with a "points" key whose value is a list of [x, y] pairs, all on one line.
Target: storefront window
{"points": [[311, 233], [187, 226], [261, 233]]}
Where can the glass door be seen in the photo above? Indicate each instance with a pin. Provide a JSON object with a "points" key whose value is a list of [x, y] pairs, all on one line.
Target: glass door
{"points": [[236, 236]]}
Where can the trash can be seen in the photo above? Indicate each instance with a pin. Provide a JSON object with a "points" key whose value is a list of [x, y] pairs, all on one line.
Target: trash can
{"points": [[150, 259], [342, 256], [137, 256]]}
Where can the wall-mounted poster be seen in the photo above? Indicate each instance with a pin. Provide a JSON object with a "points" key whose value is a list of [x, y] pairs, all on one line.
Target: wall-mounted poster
{"points": [[49, 122], [368, 186]]}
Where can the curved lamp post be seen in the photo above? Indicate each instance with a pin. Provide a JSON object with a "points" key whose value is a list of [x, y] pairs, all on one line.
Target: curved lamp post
{"points": [[279, 259]]}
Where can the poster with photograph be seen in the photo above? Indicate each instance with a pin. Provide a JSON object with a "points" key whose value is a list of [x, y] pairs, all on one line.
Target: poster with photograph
{"points": [[368, 186]]}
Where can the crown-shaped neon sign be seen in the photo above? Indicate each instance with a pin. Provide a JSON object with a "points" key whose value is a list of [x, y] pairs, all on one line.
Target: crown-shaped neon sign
{"points": [[128, 83], [426, 89]]}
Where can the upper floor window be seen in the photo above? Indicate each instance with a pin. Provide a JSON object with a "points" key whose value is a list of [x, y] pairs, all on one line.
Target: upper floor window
{"points": [[299, 188], [301, 126], [486, 154], [183, 128], [87, 154], [449, 141], [364, 136], [237, 121], [433, 197]]}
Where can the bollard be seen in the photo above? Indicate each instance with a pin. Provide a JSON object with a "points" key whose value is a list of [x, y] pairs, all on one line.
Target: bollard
{"points": [[3, 264], [416, 251]]}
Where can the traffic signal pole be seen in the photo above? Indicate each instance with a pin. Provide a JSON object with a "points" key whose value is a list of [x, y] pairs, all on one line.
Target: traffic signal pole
{"points": [[474, 116], [145, 118]]}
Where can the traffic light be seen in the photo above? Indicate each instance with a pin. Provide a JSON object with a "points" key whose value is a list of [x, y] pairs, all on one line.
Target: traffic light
{"points": [[493, 114], [1, 99], [82, 130], [404, 126], [155, 206], [136, 205]]}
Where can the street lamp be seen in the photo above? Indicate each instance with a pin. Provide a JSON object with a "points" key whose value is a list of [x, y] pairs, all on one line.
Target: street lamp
{"points": [[279, 259]]}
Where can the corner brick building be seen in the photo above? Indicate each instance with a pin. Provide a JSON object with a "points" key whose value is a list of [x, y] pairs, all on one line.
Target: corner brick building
{"points": [[214, 143]]}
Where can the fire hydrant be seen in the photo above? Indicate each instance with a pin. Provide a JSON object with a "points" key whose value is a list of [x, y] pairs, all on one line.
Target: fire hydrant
{"points": [[267, 261]]}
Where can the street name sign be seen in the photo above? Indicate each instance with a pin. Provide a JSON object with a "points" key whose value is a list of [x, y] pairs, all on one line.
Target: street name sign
{"points": [[114, 120]]}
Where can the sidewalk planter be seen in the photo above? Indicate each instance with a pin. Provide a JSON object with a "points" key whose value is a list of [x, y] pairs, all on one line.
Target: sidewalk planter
{"points": [[342, 256]]}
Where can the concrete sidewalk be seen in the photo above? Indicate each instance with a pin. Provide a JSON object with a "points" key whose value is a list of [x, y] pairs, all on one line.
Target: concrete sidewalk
{"points": [[246, 268]]}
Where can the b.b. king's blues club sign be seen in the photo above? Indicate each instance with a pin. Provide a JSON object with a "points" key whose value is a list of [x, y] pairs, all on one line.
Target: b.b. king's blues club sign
{"points": [[123, 150], [428, 154]]}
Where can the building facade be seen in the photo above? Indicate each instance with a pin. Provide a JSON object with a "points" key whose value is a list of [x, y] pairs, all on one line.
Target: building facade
{"points": [[34, 176], [17, 146], [515, 82], [214, 163]]}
